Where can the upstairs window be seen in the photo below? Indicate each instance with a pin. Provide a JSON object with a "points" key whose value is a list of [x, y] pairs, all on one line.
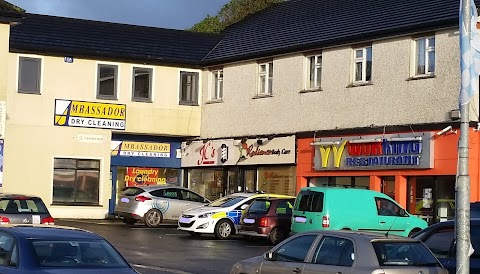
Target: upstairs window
{"points": [[362, 65], [425, 55], [142, 84], [107, 81], [189, 88], [265, 78], [29, 72], [217, 92], [314, 72]]}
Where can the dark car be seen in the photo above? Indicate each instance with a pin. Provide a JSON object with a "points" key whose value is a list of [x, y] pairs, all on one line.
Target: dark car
{"points": [[269, 218], [475, 210], [439, 238], [23, 209], [343, 252], [53, 249]]}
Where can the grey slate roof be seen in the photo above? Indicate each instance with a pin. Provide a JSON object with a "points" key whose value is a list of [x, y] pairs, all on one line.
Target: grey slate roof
{"points": [[85, 38], [298, 25]]}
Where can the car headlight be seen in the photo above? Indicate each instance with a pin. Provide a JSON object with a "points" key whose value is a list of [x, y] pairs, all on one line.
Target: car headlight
{"points": [[206, 215]]}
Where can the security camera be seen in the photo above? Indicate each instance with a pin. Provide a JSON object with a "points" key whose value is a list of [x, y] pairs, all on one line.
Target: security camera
{"points": [[449, 128]]}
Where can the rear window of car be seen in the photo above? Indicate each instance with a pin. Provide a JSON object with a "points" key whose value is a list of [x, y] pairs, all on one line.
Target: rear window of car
{"points": [[259, 206], [22, 205], [77, 254], [132, 191], [391, 253], [311, 201]]}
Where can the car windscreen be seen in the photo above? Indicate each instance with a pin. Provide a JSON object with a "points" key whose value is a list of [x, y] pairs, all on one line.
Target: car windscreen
{"points": [[22, 205], [311, 201], [132, 191], [227, 201], [391, 253], [259, 206], [77, 254]]}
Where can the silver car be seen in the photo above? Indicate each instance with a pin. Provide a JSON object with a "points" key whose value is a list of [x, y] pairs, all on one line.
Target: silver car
{"points": [[344, 252], [154, 204]]}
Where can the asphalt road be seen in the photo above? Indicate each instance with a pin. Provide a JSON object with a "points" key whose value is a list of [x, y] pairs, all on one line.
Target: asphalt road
{"points": [[166, 250]]}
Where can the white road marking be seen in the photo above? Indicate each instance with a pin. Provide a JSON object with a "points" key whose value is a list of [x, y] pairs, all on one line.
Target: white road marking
{"points": [[161, 269]]}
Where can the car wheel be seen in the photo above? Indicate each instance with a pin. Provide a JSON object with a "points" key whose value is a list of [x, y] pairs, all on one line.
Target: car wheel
{"points": [[223, 229], [195, 234], [415, 230], [153, 218], [129, 221], [276, 235]]}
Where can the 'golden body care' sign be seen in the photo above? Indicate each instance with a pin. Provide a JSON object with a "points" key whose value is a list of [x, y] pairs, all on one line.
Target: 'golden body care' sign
{"points": [[89, 114], [140, 149]]}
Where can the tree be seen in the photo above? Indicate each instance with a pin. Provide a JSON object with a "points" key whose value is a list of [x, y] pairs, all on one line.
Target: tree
{"points": [[231, 13]]}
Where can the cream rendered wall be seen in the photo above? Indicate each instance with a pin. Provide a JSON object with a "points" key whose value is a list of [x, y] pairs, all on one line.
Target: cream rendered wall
{"points": [[4, 38], [391, 100], [32, 141]]}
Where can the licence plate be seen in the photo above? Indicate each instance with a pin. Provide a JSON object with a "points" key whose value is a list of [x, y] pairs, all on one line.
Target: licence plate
{"points": [[125, 200], [300, 220], [35, 219], [249, 221], [184, 220]]}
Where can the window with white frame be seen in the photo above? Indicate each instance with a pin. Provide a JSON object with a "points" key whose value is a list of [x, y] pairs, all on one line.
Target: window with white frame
{"points": [[107, 81], [362, 65], [142, 84], [425, 55], [217, 92], [314, 72], [29, 72], [265, 78], [188, 88]]}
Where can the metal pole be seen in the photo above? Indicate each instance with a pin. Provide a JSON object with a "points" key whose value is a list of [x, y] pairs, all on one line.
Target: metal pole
{"points": [[462, 219]]}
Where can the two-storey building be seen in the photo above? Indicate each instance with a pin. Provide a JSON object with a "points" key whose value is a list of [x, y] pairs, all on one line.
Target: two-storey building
{"points": [[368, 88], [92, 107]]}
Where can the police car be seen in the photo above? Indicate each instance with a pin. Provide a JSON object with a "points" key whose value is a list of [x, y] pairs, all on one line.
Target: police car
{"points": [[221, 217]]}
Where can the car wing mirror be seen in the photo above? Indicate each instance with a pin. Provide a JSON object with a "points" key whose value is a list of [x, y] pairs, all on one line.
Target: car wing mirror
{"points": [[243, 206], [403, 213], [269, 256]]}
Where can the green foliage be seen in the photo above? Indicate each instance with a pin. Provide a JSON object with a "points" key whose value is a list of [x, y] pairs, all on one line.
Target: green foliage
{"points": [[231, 13]]}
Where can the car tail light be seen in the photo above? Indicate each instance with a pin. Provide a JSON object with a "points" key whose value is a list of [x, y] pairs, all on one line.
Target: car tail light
{"points": [[142, 199], [325, 222], [263, 222], [48, 221], [4, 220]]}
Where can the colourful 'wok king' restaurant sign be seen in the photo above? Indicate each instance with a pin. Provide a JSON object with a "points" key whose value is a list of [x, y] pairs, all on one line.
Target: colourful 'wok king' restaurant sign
{"points": [[390, 151]]}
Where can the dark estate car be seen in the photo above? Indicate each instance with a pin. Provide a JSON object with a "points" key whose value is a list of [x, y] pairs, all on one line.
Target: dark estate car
{"points": [[439, 238], [343, 252], [23, 209], [268, 217], [53, 249]]}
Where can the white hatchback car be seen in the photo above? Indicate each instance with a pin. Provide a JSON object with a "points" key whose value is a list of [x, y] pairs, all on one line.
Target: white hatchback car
{"points": [[221, 217], [153, 204]]}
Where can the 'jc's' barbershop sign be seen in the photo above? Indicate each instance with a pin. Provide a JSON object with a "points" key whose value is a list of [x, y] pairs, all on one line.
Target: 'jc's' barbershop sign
{"points": [[390, 151]]}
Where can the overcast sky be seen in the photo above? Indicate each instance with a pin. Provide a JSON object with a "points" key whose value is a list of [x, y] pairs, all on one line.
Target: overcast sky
{"points": [[172, 14]]}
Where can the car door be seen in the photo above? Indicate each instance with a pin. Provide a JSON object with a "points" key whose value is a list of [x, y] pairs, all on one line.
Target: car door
{"points": [[167, 200], [474, 258], [283, 211], [8, 254], [390, 218], [440, 242], [191, 199], [333, 255], [308, 212], [290, 256]]}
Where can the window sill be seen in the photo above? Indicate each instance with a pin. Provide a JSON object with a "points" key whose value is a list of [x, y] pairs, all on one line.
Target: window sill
{"points": [[310, 90], [259, 96], [29, 92], [75, 204], [110, 98], [142, 100], [359, 84], [423, 76], [216, 101]]}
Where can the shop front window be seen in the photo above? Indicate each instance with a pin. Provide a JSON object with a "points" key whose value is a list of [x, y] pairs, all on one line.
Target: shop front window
{"points": [[250, 179], [278, 180], [434, 198], [206, 182], [76, 181], [388, 186]]}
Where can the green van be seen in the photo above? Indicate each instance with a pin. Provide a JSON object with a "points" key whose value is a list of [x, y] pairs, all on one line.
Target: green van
{"points": [[331, 208]]}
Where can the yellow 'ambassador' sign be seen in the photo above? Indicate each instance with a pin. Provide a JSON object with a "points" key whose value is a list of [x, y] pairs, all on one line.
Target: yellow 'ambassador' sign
{"points": [[142, 149], [89, 114]]}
